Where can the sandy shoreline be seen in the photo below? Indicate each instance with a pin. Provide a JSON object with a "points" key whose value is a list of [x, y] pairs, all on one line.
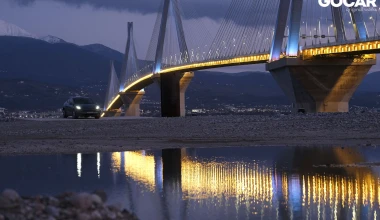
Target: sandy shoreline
{"points": [[89, 136]]}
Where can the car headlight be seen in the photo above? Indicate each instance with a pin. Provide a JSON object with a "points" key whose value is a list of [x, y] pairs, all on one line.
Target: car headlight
{"points": [[78, 107], [97, 107]]}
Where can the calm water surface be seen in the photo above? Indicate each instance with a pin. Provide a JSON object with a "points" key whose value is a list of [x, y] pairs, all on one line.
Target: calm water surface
{"points": [[214, 183]]}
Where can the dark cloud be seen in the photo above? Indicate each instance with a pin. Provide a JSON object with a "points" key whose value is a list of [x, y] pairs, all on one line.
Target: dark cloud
{"points": [[142, 6], [214, 9], [24, 2]]}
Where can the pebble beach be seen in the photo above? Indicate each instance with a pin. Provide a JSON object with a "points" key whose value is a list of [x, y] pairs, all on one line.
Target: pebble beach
{"points": [[90, 135]]}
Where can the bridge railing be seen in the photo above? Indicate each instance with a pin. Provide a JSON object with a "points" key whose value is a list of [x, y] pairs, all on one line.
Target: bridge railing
{"points": [[139, 74], [198, 61], [145, 71], [355, 41]]}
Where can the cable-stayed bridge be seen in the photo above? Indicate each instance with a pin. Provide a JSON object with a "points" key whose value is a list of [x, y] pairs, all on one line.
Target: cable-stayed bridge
{"points": [[318, 55]]}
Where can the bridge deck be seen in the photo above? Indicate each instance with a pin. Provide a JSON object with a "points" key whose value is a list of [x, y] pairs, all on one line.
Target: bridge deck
{"points": [[148, 79], [365, 47], [355, 48]]}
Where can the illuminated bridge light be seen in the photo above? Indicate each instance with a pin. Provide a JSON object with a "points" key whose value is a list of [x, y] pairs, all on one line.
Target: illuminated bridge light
{"points": [[98, 163], [246, 181], [113, 101], [210, 64], [256, 183], [116, 161], [335, 190], [79, 164], [141, 167]]}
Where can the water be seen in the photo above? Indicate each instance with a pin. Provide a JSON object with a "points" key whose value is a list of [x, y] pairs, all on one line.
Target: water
{"points": [[213, 183]]}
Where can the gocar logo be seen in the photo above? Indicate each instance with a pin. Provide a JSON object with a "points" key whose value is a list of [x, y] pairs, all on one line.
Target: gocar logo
{"points": [[348, 3]]}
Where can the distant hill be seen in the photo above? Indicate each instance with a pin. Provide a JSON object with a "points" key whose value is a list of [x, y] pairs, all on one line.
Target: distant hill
{"points": [[371, 83], [37, 60], [110, 54], [246, 88], [207, 90], [8, 29], [31, 95], [105, 52], [54, 71], [53, 40], [367, 99], [256, 88], [211, 89]]}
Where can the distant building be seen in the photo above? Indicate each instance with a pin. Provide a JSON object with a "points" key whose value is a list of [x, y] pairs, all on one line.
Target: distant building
{"points": [[3, 112], [195, 112]]}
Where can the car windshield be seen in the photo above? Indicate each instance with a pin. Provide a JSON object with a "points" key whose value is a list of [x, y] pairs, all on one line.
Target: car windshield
{"points": [[83, 101]]}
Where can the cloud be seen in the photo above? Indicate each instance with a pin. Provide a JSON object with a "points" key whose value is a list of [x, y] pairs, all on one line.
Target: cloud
{"points": [[23, 2], [211, 8], [241, 12]]}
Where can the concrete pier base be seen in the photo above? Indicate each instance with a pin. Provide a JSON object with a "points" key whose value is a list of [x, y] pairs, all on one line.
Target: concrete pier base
{"points": [[132, 101], [320, 84], [173, 88]]}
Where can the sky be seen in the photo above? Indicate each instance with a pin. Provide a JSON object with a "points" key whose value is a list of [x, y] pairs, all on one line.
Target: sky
{"points": [[105, 21]]}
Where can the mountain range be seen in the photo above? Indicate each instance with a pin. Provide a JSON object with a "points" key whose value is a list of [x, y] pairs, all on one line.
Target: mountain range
{"points": [[8, 29], [40, 73]]}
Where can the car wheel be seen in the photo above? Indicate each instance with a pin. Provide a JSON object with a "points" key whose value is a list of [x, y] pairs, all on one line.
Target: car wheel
{"points": [[75, 116], [97, 117], [64, 114]]}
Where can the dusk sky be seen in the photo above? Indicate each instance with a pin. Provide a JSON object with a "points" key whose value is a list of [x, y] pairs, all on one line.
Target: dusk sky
{"points": [[105, 21]]}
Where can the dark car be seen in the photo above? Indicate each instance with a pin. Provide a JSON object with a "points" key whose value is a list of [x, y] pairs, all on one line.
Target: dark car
{"points": [[81, 107]]}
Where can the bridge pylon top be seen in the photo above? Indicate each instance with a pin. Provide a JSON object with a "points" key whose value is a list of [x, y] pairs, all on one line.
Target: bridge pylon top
{"points": [[130, 61]]}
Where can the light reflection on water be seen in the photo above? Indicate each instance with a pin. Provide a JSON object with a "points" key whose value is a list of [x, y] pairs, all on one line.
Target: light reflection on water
{"points": [[225, 183], [79, 164]]}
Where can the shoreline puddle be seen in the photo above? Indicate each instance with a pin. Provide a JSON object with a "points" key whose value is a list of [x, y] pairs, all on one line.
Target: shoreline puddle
{"points": [[212, 183]]}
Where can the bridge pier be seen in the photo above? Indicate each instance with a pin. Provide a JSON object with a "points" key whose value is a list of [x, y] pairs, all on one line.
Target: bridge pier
{"points": [[320, 84], [132, 101], [173, 88], [171, 165], [112, 113]]}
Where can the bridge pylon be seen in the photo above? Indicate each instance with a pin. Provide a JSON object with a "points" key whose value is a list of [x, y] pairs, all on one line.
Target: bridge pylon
{"points": [[358, 23], [130, 99], [130, 60], [316, 84], [172, 85], [112, 90], [172, 6], [339, 29], [295, 9]]}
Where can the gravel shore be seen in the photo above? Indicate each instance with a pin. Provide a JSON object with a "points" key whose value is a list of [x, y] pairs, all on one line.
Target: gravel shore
{"points": [[81, 206], [88, 136]]}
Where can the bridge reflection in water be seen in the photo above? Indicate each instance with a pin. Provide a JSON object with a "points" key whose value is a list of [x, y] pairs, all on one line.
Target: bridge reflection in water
{"points": [[183, 185]]}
